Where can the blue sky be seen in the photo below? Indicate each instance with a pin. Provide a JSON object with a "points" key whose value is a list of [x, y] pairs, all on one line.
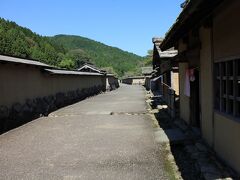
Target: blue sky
{"points": [[127, 24]]}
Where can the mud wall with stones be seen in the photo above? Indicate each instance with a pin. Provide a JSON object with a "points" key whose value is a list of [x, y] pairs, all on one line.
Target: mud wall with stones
{"points": [[28, 92], [112, 83], [127, 81]]}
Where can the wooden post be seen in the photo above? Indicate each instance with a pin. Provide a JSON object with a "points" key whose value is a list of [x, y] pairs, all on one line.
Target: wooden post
{"points": [[173, 110]]}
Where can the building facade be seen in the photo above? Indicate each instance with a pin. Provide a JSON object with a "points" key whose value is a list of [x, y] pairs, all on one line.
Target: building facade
{"points": [[206, 36], [164, 66], [165, 77]]}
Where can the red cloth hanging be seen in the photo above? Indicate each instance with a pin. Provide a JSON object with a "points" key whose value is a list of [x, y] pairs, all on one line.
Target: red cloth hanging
{"points": [[192, 75]]}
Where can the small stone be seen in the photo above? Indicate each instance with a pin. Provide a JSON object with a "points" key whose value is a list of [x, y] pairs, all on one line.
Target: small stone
{"points": [[201, 161], [190, 149], [153, 111], [181, 125], [162, 106], [26, 109], [219, 165], [4, 112], [196, 155], [196, 132], [175, 136], [53, 107], [29, 102], [171, 158], [149, 101], [209, 176], [209, 168], [201, 147], [50, 99], [230, 173], [17, 108]]}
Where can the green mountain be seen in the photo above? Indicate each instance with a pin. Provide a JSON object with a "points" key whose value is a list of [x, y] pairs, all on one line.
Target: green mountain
{"points": [[65, 51], [99, 54]]}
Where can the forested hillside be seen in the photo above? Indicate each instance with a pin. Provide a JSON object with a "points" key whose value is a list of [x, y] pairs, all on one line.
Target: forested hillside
{"points": [[22, 42], [65, 51], [100, 54]]}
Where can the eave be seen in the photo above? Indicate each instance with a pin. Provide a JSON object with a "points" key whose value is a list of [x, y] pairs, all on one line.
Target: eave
{"points": [[191, 17]]}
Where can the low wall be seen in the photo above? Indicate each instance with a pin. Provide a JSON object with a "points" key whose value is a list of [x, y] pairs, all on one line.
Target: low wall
{"points": [[28, 92], [147, 83], [127, 81], [138, 81], [112, 83], [134, 80]]}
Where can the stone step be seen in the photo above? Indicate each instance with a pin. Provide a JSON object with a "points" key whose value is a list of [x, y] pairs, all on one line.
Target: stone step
{"points": [[175, 136]]}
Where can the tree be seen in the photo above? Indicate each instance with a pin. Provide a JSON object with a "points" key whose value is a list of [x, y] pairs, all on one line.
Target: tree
{"points": [[20, 48], [65, 50], [67, 63], [109, 70], [148, 58]]}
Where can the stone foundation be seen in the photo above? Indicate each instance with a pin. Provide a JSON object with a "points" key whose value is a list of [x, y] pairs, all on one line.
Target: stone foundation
{"points": [[19, 114]]}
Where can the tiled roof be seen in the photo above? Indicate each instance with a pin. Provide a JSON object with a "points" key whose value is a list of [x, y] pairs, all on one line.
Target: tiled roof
{"points": [[9, 59], [90, 67], [163, 54], [194, 11], [168, 54], [67, 72]]}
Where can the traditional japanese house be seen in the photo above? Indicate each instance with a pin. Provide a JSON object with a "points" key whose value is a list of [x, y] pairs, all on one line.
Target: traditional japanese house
{"points": [[207, 35], [136, 80], [111, 80], [87, 67], [164, 66], [165, 78]]}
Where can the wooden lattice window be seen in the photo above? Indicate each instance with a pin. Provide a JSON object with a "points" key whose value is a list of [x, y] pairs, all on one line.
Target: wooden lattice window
{"points": [[227, 87]]}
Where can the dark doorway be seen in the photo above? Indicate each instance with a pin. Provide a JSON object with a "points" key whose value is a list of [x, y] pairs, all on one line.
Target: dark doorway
{"points": [[194, 100], [168, 78]]}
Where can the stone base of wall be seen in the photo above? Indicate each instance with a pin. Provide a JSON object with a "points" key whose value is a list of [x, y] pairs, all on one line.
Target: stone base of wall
{"points": [[113, 86], [19, 114]]}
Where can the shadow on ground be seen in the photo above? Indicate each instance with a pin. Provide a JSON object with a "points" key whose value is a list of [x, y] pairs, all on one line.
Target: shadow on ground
{"points": [[191, 163], [183, 161]]}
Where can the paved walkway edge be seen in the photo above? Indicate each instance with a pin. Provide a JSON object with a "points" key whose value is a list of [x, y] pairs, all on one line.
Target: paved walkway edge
{"points": [[162, 140]]}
